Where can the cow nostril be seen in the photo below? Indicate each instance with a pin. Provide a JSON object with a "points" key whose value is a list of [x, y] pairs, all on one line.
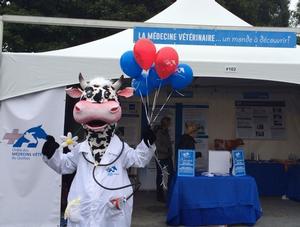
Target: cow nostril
{"points": [[77, 108], [114, 109]]}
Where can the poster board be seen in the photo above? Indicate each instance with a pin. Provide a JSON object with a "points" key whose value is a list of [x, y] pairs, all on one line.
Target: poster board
{"points": [[198, 114], [260, 119]]}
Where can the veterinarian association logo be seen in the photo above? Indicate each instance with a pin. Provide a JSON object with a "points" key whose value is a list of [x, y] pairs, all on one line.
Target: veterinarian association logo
{"points": [[112, 171], [24, 144]]}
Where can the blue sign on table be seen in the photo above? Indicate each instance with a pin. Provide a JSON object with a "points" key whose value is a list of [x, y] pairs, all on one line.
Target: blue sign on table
{"points": [[238, 163], [186, 163], [216, 37]]}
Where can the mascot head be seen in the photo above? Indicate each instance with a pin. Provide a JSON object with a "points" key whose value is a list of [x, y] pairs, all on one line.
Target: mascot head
{"points": [[98, 106], [98, 110]]}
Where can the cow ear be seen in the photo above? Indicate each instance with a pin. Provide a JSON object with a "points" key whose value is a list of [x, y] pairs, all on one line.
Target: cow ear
{"points": [[126, 92], [74, 92]]}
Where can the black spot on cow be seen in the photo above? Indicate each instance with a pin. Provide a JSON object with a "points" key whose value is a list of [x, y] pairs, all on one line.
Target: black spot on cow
{"points": [[98, 96], [98, 157], [99, 140], [102, 146]]}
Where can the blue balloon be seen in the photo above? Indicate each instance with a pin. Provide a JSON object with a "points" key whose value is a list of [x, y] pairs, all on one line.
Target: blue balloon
{"points": [[182, 77], [129, 65], [155, 80], [141, 86]]}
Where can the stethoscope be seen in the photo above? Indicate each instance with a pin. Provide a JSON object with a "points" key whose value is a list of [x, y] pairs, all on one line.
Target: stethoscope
{"points": [[137, 185]]}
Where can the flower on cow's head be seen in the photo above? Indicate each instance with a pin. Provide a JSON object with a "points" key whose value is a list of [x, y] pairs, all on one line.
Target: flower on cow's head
{"points": [[69, 141]]}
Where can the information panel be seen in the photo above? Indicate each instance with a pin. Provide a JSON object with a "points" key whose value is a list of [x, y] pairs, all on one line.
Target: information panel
{"points": [[186, 163], [260, 119], [238, 163]]}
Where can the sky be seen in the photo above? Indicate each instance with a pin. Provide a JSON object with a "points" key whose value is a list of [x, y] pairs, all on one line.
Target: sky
{"points": [[293, 4]]}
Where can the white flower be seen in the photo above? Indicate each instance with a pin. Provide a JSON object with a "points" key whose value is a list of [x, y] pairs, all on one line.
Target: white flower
{"points": [[69, 141]]}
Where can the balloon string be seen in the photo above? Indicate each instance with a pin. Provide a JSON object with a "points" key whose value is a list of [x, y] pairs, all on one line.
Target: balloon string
{"points": [[179, 93], [145, 107], [164, 173], [147, 98], [168, 98], [154, 101]]}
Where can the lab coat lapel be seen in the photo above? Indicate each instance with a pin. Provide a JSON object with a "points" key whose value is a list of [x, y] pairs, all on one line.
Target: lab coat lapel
{"points": [[112, 151]]}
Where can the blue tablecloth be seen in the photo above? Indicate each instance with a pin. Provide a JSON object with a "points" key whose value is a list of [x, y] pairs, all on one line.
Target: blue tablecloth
{"points": [[271, 178], [293, 185], [213, 201]]}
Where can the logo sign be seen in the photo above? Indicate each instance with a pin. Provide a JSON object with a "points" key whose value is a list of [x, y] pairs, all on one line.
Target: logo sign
{"points": [[238, 161], [24, 145], [186, 163], [213, 37]]}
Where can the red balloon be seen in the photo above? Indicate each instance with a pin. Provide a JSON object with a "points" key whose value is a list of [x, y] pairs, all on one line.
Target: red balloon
{"points": [[144, 53], [166, 62]]}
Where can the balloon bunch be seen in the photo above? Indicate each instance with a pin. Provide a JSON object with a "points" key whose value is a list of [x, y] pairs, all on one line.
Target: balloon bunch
{"points": [[151, 70]]}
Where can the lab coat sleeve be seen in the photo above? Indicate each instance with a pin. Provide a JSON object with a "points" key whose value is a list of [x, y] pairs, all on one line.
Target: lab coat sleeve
{"points": [[63, 163], [138, 157]]}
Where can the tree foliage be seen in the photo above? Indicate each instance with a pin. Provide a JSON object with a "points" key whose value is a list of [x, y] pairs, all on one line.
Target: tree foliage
{"points": [[33, 38], [260, 12]]}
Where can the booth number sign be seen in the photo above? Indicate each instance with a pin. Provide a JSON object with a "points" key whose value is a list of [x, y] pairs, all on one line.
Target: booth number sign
{"points": [[230, 69]]}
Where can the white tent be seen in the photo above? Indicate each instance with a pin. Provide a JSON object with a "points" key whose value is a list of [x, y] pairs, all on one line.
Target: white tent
{"points": [[23, 73]]}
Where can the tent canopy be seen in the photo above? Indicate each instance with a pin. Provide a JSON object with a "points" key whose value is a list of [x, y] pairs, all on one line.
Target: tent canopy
{"points": [[23, 73]]}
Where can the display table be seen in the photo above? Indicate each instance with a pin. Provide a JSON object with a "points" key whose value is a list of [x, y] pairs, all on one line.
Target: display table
{"points": [[293, 184], [271, 178], [213, 201]]}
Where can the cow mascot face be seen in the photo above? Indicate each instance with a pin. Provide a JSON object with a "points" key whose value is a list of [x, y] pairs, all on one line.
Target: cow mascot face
{"points": [[98, 110]]}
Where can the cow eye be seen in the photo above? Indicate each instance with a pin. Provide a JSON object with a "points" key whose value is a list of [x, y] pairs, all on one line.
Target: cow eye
{"points": [[89, 92], [106, 94]]}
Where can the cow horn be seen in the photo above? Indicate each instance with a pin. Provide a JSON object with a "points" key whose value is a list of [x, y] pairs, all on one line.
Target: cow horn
{"points": [[118, 83], [83, 84]]}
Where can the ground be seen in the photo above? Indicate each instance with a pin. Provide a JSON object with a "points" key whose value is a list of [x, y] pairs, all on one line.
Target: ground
{"points": [[148, 212]]}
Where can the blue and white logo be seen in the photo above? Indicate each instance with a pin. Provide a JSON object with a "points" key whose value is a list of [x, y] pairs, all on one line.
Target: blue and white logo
{"points": [[112, 170], [25, 145], [30, 137]]}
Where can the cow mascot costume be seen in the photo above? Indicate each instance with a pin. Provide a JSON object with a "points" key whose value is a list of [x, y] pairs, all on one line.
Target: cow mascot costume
{"points": [[101, 192]]}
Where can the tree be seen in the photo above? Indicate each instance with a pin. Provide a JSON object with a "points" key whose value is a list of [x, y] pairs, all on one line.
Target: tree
{"points": [[295, 16], [33, 38], [260, 12]]}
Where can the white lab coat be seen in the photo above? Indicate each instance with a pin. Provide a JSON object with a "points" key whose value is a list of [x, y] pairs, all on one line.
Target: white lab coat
{"points": [[94, 208]]}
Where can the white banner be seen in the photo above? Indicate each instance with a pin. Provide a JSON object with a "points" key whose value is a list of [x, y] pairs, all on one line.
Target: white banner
{"points": [[30, 191]]}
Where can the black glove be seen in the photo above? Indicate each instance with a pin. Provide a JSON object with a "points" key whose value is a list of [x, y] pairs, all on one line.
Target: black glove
{"points": [[49, 147], [149, 136]]}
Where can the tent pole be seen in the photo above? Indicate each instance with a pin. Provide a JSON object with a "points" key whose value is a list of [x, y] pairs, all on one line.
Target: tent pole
{"points": [[1, 34]]}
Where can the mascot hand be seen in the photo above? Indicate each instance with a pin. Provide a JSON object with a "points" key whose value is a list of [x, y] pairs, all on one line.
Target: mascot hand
{"points": [[149, 136], [49, 147]]}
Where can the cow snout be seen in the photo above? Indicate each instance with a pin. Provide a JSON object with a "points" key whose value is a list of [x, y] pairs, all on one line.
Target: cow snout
{"points": [[85, 112]]}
